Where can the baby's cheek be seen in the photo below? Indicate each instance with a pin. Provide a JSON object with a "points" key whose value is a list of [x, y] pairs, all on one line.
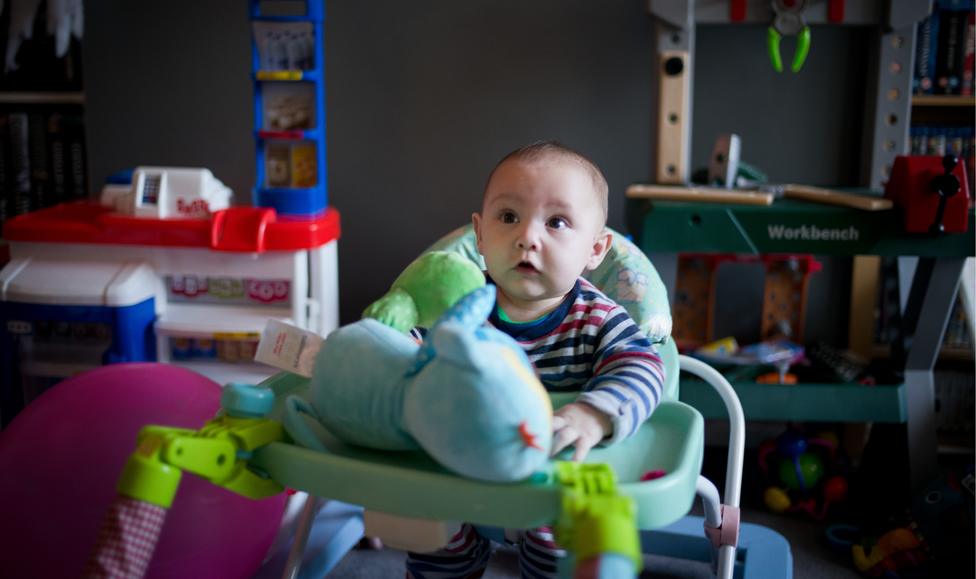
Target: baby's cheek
{"points": [[492, 267]]}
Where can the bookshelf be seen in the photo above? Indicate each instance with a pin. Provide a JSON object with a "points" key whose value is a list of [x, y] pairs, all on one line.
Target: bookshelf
{"points": [[943, 103], [42, 127], [943, 117], [946, 352], [42, 153], [42, 98], [944, 52], [943, 100]]}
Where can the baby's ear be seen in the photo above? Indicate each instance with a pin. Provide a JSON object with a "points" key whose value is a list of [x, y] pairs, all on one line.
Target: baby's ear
{"points": [[601, 245], [476, 224]]}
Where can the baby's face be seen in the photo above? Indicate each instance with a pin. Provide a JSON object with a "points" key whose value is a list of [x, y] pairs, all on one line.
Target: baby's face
{"points": [[539, 227]]}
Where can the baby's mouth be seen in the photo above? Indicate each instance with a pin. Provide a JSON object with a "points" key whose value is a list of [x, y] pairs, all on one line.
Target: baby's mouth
{"points": [[526, 267]]}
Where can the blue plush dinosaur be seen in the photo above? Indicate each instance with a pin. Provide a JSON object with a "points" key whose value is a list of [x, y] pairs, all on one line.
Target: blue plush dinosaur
{"points": [[468, 395]]}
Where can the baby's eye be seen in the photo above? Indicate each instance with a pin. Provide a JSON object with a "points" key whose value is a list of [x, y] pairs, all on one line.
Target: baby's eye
{"points": [[507, 217], [557, 223]]}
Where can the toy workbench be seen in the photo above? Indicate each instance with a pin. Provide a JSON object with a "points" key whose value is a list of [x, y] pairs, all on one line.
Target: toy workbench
{"points": [[792, 226], [786, 226]]}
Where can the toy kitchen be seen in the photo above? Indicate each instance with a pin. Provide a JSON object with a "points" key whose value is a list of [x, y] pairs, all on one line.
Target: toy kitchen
{"points": [[163, 269]]}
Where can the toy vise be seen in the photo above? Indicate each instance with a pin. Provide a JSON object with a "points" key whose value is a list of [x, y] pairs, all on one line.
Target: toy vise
{"points": [[933, 193]]}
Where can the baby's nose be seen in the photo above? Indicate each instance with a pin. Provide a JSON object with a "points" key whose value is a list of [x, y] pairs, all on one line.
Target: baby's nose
{"points": [[528, 238]]}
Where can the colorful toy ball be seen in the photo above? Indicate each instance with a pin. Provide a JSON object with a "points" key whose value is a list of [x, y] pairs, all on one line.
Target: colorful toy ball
{"points": [[802, 473], [61, 458]]}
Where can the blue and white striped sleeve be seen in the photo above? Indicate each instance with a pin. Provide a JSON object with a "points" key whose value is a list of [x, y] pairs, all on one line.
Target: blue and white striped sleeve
{"points": [[628, 375]]}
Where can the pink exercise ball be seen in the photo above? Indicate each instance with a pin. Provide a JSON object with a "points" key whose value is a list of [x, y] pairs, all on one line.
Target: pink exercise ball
{"points": [[62, 455]]}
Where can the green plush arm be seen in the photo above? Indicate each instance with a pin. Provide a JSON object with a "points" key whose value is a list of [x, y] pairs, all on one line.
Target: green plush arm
{"points": [[395, 309], [430, 285]]}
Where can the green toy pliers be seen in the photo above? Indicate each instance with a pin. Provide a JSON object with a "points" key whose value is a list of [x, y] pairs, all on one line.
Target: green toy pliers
{"points": [[789, 22], [218, 452]]}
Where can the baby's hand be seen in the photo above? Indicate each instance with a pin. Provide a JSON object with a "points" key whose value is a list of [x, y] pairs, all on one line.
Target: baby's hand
{"points": [[581, 425]]}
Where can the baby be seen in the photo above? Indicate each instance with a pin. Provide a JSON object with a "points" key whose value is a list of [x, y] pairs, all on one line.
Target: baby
{"points": [[542, 224]]}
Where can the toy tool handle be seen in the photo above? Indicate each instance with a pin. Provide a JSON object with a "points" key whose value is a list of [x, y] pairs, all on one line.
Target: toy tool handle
{"points": [[802, 49], [126, 540], [772, 46], [946, 185], [296, 425]]}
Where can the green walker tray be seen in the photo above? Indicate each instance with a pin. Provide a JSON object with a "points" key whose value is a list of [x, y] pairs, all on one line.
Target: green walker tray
{"points": [[411, 484]]}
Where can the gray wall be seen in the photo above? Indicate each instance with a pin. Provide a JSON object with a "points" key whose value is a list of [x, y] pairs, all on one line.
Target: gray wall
{"points": [[424, 97]]}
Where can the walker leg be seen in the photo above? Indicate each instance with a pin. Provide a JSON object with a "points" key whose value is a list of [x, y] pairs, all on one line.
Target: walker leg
{"points": [[726, 562], [294, 563]]}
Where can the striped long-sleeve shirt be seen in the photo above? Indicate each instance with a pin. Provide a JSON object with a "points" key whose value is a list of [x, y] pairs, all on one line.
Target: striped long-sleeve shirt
{"points": [[591, 344]]}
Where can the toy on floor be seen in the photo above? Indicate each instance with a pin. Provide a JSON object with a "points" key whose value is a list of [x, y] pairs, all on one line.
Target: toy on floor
{"points": [[802, 473], [61, 458], [945, 516], [933, 539], [468, 396], [430, 285], [900, 553]]}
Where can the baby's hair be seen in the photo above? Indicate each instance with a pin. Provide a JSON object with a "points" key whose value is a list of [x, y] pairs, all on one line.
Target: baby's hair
{"points": [[542, 149]]}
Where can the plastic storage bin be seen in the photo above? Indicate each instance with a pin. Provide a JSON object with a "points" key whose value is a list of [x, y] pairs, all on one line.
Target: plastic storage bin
{"points": [[60, 318]]}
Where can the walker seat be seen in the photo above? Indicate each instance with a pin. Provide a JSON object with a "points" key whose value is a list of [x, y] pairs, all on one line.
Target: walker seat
{"points": [[411, 484]]}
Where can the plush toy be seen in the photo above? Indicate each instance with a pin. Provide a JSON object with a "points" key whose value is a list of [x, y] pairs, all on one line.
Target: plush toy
{"points": [[428, 286], [468, 396]]}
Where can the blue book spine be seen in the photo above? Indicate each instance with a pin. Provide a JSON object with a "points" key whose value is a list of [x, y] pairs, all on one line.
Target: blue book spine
{"points": [[922, 79]]}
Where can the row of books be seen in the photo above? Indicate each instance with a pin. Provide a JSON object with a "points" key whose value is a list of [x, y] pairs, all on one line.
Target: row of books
{"points": [[954, 406], [944, 49], [957, 330], [888, 314], [42, 158], [943, 140]]}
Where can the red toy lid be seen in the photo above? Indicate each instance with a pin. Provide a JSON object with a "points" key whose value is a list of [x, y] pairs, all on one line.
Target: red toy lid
{"points": [[238, 229]]}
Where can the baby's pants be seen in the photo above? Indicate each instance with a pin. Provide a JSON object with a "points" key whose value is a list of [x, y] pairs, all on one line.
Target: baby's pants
{"points": [[467, 554]]}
